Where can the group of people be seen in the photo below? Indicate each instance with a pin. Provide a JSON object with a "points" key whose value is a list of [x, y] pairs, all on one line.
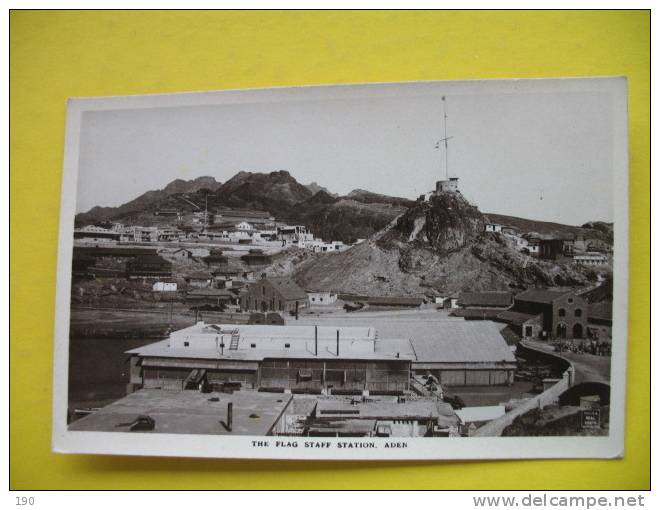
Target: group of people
{"points": [[595, 347]]}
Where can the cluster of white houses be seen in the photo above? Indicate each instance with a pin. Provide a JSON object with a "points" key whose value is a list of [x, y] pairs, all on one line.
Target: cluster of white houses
{"points": [[578, 248], [225, 225]]}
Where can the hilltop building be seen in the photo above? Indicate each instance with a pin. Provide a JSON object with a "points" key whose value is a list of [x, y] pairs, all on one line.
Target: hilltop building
{"points": [[447, 186]]}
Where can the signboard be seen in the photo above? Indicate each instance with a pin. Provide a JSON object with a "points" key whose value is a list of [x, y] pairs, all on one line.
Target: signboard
{"points": [[590, 419]]}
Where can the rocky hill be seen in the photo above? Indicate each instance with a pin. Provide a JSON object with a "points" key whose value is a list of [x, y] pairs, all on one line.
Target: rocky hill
{"points": [[593, 230], [276, 192], [149, 201], [435, 247], [358, 215], [314, 187]]}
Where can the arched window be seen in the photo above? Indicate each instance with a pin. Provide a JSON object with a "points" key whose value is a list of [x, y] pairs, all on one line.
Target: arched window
{"points": [[561, 312], [578, 312]]}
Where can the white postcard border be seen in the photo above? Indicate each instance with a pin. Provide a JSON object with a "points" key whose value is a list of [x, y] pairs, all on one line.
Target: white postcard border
{"points": [[191, 445]]}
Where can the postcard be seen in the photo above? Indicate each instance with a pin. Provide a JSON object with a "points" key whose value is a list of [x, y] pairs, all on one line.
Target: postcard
{"points": [[427, 270]]}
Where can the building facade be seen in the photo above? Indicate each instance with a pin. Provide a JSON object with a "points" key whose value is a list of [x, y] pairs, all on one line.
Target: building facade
{"points": [[274, 295], [299, 359], [564, 312], [317, 298]]}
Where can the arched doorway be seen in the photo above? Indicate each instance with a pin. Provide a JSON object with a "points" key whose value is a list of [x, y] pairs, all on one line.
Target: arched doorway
{"points": [[561, 331], [577, 331]]}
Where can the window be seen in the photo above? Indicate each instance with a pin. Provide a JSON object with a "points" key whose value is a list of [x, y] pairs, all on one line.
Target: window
{"points": [[570, 299], [263, 291], [528, 331], [286, 346], [313, 299], [578, 312], [321, 299], [253, 346], [561, 312], [186, 344]]}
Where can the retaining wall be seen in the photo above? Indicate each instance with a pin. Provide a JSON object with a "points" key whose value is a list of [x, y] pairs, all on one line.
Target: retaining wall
{"points": [[550, 396]]}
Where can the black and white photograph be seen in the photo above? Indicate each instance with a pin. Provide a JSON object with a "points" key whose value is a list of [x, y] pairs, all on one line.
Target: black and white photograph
{"points": [[424, 270]]}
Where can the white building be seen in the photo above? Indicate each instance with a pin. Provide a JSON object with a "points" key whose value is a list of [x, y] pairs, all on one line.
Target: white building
{"points": [[244, 226], [164, 287], [320, 246], [493, 227], [293, 234], [321, 298], [591, 259], [91, 234], [448, 186]]}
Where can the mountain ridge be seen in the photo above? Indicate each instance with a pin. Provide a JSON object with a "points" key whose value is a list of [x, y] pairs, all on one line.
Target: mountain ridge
{"points": [[357, 215]]}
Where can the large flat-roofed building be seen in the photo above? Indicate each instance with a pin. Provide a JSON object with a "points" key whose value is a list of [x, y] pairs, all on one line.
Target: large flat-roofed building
{"points": [[463, 353], [279, 358], [191, 412], [324, 359]]}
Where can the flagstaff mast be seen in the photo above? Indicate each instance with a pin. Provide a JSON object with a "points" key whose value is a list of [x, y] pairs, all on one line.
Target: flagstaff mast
{"points": [[445, 138], [448, 184]]}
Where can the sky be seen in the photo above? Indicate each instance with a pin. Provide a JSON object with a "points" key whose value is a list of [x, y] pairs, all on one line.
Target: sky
{"points": [[544, 156]]}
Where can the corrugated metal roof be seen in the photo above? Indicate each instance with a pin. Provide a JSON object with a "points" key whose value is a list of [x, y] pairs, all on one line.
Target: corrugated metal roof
{"points": [[199, 275], [490, 298], [461, 342], [210, 292], [476, 313], [287, 288], [545, 296], [395, 301], [517, 318]]}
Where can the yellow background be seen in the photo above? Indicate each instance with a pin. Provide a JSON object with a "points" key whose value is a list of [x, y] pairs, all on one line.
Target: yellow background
{"points": [[56, 55]]}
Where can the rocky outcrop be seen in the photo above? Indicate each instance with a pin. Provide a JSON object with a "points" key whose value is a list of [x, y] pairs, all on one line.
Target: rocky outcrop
{"points": [[438, 247]]}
